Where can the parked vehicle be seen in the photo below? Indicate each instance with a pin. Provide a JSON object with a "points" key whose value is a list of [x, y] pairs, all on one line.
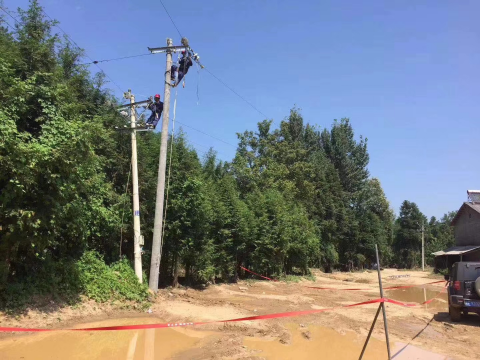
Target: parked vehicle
{"points": [[463, 289]]}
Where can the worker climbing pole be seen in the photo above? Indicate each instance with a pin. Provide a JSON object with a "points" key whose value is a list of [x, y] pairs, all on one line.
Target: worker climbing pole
{"points": [[140, 125], [156, 107]]}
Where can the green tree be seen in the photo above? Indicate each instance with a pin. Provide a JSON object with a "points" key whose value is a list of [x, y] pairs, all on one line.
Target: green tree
{"points": [[439, 235], [58, 196], [407, 244]]}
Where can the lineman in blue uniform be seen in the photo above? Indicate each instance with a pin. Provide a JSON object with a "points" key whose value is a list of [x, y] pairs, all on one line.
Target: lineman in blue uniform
{"points": [[157, 108], [183, 65]]}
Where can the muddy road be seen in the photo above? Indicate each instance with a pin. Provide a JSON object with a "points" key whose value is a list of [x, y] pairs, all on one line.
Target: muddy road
{"points": [[422, 332]]}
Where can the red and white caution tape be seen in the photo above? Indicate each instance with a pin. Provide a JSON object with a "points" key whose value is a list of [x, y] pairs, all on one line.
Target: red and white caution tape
{"points": [[248, 318], [370, 289], [169, 325]]}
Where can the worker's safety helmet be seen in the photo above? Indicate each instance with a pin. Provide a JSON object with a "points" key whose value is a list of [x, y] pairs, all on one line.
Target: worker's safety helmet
{"points": [[157, 96]]}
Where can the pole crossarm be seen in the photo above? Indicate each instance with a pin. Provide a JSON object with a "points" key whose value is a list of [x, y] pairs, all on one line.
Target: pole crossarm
{"points": [[177, 48], [173, 48], [134, 104]]}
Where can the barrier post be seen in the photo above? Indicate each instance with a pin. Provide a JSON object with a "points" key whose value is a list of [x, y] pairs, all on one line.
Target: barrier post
{"points": [[370, 332], [382, 306], [385, 323]]}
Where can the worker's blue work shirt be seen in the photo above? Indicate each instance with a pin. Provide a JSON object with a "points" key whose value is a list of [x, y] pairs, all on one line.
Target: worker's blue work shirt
{"points": [[184, 64], [156, 108]]}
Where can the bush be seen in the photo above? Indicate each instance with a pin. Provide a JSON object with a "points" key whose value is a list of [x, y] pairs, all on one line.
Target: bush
{"points": [[101, 282], [64, 281], [56, 280]]}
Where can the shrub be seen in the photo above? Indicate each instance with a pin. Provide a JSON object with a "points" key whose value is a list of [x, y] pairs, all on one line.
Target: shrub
{"points": [[102, 283]]}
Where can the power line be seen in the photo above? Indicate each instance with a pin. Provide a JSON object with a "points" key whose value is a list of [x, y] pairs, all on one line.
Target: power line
{"points": [[173, 22], [9, 25], [240, 96], [221, 81], [88, 57], [202, 132], [205, 146], [6, 12], [10, 16], [119, 58]]}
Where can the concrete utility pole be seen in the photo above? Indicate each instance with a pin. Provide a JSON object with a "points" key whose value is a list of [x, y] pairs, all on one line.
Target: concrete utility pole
{"points": [[136, 202], [157, 242], [157, 227], [423, 247]]}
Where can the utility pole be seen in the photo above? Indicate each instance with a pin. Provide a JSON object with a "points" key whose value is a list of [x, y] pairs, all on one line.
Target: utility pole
{"points": [[136, 202], [423, 247], [157, 227], [157, 241]]}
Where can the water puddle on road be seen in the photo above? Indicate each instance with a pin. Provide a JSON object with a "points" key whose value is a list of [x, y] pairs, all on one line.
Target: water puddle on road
{"points": [[316, 342], [419, 295], [319, 343], [106, 345]]}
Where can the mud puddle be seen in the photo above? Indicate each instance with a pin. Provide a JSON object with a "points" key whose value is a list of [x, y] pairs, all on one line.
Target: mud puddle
{"points": [[420, 295], [106, 345], [317, 342]]}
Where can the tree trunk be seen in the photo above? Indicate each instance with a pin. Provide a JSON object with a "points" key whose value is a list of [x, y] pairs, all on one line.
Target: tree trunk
{"points": [[188, 274], [175, 271]]}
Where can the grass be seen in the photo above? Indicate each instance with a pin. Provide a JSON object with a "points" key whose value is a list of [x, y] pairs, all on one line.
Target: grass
{"points": [[297, 278], [286, 278], [251, 281]]}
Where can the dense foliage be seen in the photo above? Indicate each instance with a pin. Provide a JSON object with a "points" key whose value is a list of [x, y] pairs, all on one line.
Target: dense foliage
{"points": [[293, 197]]}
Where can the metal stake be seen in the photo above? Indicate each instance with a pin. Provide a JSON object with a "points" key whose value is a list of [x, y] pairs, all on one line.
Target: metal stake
{"points": [[385, 324], [370, 332]]}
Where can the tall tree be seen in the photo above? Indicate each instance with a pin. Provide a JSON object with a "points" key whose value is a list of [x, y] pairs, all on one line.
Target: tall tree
{"points": [[407, 244], [58, 196], [349, 156]]}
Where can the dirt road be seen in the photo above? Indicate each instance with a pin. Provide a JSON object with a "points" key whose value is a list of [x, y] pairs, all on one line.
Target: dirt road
{"points": [[422, 332]]}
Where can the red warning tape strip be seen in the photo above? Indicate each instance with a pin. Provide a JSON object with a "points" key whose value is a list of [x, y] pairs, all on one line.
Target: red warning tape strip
{"points": [[385, 288], [330, 288], [241, 267], [249, 318], [169, 325]]}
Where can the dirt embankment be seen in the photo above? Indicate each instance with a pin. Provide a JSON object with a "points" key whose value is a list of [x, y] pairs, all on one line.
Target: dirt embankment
{"points": [[337, 334]]}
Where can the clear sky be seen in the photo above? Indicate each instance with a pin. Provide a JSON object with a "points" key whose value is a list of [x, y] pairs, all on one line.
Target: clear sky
{"points": [[406, 73]]}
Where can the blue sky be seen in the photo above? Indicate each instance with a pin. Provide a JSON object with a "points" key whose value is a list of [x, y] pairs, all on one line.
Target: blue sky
{"points": [[406, 73]]}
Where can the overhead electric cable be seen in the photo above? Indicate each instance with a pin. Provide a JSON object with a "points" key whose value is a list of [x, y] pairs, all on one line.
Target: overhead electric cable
{"points": [[236, 93], [10, 25], [221, 81], [88, 57], [173, 22], [119, 58], [202, 132], [6, 12]]}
